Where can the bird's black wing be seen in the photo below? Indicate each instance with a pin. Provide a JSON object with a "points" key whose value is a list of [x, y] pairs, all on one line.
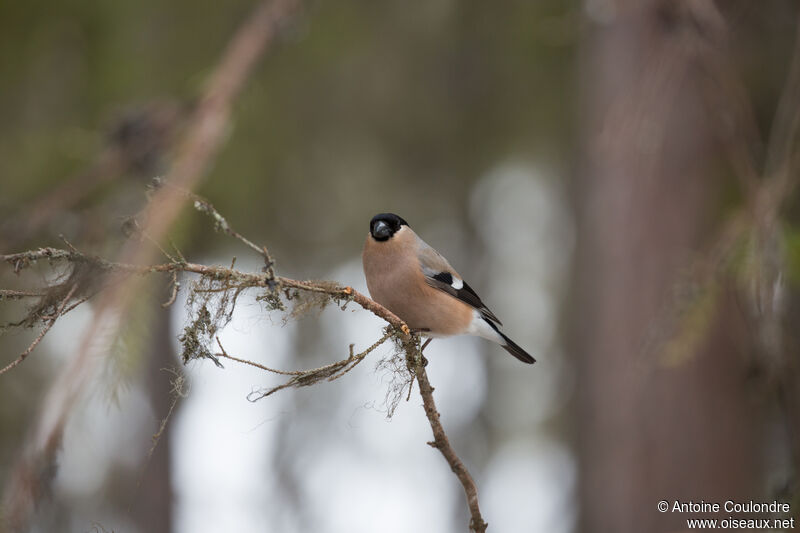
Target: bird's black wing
{"points": [[440, 275], [444, 282]]}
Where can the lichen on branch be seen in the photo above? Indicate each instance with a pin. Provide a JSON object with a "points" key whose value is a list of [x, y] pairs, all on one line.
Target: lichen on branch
{"points": [[211, 301]]}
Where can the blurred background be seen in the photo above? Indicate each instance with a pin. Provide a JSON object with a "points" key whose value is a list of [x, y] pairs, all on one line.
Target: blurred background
{"points": [[614, 178]]}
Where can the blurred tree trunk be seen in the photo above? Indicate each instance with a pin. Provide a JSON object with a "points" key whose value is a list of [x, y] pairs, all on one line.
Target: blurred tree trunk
{"points": [[647, 431]]}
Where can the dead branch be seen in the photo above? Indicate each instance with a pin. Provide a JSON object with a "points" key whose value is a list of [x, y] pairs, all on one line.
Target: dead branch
{"points": [[305, 378], [440, 441], [60, 311], [236, 280], [245, 279], [18, 295]]}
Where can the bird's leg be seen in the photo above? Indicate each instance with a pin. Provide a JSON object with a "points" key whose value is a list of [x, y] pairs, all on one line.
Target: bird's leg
{"points": [[427, 342]]}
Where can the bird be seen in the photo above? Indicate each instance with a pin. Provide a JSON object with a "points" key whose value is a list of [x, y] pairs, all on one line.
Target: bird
{"points": [[415, 282]]}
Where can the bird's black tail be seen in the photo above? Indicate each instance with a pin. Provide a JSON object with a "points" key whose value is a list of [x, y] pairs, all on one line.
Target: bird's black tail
{"points": [[514, 349]]}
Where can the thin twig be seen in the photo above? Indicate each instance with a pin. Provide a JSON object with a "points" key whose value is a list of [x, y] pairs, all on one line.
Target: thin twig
{"points": [[204, 206], [41, 335], [17, 295], [77, 302], [225, 354], [175, 287], [178, 391], [440, 440], [304, 378]]}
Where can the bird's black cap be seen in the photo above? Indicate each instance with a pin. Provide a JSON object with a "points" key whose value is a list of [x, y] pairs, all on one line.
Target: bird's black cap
{"points": [[384, 225]]}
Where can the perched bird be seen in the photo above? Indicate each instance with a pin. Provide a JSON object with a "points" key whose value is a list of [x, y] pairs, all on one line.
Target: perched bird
{"points": [[412, 280]]}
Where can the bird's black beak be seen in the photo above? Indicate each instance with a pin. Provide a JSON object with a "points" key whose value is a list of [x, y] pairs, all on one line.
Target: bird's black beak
{"points": [[381, 230]]}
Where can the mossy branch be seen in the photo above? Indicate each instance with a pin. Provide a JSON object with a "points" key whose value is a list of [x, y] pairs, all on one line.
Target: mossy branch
{"points": [[231, 280], [217, 280], [235, 278]]}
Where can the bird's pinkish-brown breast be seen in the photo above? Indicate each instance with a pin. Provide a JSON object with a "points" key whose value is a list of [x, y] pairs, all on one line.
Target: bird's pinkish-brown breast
{"points": [[395, 280]]}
